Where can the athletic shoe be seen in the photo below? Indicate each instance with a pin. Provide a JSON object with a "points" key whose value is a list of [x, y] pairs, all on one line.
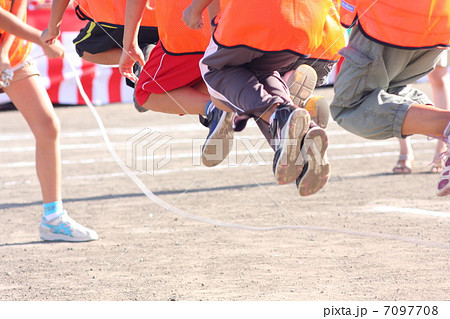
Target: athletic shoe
{"points": [[301, 84], [219, 141], [444, 178], [289, 126], [318, 109], [316, 171], [64, 228]]}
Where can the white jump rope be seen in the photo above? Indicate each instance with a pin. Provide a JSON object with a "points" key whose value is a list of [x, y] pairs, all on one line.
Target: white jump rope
{"points": [[214, 222]]}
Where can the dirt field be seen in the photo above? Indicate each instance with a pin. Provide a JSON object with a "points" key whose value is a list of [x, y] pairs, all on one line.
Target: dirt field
{"points": [[236, 235]]}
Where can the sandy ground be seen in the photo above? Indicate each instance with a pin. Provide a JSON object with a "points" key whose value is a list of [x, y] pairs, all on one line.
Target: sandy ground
{"points": [[368, 235]]}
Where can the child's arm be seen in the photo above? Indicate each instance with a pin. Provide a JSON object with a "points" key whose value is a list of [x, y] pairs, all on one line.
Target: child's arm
{"points": [[131, 52], [52, 32], [12, 24], [192, 15], [15, 26], [18, 9]]}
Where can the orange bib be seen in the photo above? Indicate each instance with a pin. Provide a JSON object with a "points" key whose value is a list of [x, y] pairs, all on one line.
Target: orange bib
{"points": [[333, 37], [272, 26], [113, 11], [175, 36], [417, 24], [20, 48]]}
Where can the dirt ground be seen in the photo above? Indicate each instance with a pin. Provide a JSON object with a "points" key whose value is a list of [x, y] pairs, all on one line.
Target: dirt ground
{"points": [[231, 233]]}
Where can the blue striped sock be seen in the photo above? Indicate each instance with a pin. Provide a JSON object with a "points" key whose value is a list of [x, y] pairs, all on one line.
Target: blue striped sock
{"points": [[52, 210]]}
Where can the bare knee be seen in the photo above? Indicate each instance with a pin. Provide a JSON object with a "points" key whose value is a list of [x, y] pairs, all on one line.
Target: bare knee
{"points": [[47, 129]]}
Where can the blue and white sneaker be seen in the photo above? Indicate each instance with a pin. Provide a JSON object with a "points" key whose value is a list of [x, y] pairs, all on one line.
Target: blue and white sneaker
{"points": [[316, 170], [64, 228], [288, 127], [219, 141]]}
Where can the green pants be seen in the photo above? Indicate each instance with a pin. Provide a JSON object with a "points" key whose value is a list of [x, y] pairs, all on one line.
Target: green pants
{"points": [[371, 93]]}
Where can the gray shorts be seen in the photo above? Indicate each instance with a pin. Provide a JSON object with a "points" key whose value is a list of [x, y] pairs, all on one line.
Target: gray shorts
{"points": [[245, 80], [371, 93]]}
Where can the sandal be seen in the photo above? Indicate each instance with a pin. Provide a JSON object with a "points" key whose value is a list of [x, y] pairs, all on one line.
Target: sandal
{"points": [[437, 167], [404, 164]]}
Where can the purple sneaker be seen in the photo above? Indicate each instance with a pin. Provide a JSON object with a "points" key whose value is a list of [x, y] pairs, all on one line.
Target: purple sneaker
{"points": [[444, 179]]}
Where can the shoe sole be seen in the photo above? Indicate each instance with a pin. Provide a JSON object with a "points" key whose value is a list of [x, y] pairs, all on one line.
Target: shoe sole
{"points": [[301, 84], [289, 163], [321, 115], [318, 169], [219, 144], [61, 237]]}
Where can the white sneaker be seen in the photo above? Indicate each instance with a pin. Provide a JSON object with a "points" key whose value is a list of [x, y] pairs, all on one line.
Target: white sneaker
{"points": [[64, 228]]}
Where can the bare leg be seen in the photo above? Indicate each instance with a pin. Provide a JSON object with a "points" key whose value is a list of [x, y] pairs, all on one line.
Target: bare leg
{"points": [[37, 110], [406, 158], [110, 57], [184, 100], [440, 85], [425, 120]]}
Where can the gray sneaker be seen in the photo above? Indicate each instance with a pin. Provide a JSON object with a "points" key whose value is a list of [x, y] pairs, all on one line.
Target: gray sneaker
{"points": [[316, 170], [288, 128], [220, 137]]}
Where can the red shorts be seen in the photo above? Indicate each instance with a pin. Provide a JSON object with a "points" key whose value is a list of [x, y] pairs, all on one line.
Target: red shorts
{"points": [[164, 72]]}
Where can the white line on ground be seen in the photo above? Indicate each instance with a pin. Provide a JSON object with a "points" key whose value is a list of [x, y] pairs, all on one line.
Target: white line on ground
{"points": [[192, 141], [118, 131], [89, 161], [391, 209]]}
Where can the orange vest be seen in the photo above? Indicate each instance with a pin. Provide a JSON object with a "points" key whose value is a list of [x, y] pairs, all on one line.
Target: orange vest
{"points": [[113, 11], [419, 25], [176, 38], [20, 48], [333, 37], [272, 26]]}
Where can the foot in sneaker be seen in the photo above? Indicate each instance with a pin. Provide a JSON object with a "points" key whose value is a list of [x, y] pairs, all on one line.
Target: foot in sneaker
{"points": [[219, 141], [318, 109], [288, 127], [301, 84], [444, 178], [64, 228], [316, 171]]}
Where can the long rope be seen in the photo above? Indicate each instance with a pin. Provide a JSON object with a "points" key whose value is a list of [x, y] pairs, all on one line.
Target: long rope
{"points": [[215, 222]]}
